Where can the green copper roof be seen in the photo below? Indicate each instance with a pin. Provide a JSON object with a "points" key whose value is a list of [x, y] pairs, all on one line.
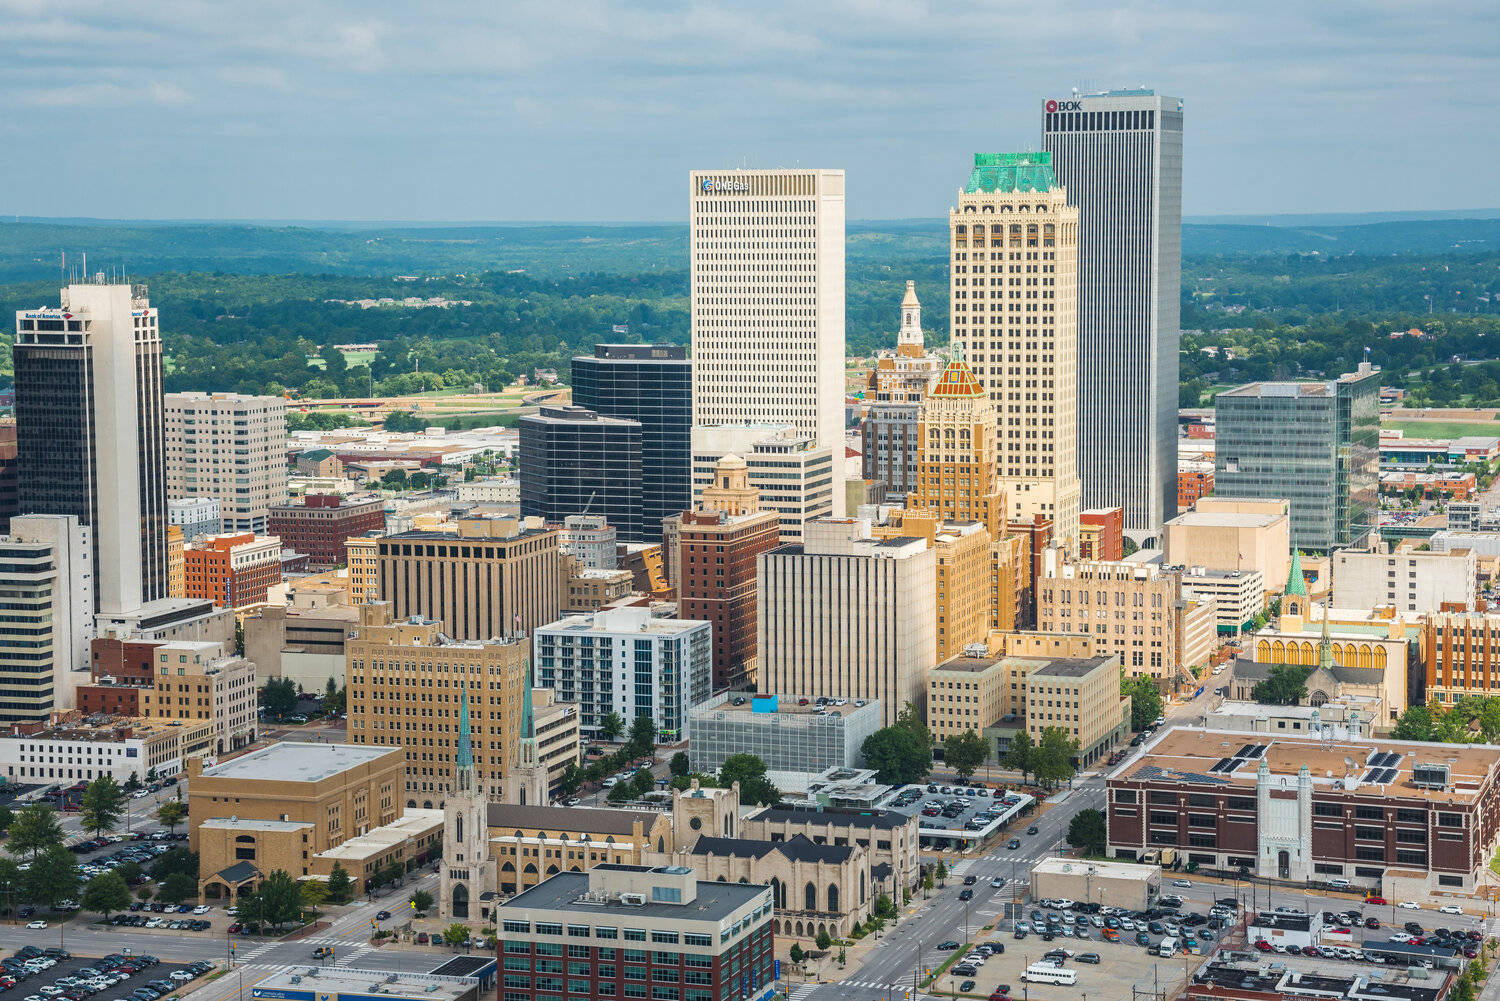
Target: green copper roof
{"points": [[1011, 172], [527, 727], [1295, 582], [465, 757]]}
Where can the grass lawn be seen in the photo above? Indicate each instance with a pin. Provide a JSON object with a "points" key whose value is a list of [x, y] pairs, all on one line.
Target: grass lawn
{"points": [[464, 422], [1442, 429]]}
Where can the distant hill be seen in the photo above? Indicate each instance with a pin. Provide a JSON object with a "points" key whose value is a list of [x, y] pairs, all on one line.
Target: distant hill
{"points": [[29, 250]]}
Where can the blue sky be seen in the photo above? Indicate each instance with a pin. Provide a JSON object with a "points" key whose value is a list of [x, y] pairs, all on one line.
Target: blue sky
{"points": [[596, 109]]}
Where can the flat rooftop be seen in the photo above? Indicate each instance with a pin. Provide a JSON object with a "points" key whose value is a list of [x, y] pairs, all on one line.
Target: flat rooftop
{"points": [[1229, 758], [563, 892], [1069, 667], [787, 705], [295, 761], [969, 665], [333, 980], [1119, 870]]}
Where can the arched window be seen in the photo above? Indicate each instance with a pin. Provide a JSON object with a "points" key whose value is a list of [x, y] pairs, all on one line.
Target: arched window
{"points": [[458, 827], [460, 900], [721, 879], [810, 897], [833, 898], [861, 888], [778, 893]]}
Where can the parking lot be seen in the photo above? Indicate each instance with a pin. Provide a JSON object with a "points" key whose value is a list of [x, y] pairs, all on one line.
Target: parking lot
{"points": [[34, 974], [951, 815]]}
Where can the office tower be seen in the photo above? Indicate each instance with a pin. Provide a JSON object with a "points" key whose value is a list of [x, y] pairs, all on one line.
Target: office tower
{"points": [[797, 478], [406, 676], [232, 571], [653, 385], [1316, 444], [493, 577], [627, 661], [229, 447], [9, 496], [89, 433], [718, 544], [1119, 156], [893, 395], [321, 525], [767, 271], [591, 540], [574, 461], [1014, 282], [46, 576], [847, 616]]}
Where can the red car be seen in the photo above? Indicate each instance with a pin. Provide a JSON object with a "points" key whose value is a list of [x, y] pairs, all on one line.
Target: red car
{"points": [[1374, 900], [1263, 945]]}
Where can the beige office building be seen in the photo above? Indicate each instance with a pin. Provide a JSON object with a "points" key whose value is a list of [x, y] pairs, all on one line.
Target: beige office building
{"points": [[1224, 534], [364, 567], [196, 681], [1082, 697], [1014, 315], [1416, 582], [1132, 610], [1238, 596], [965, 559], [845, 615], [967, 693], [229, 447], [405, 681], [494, 577]]}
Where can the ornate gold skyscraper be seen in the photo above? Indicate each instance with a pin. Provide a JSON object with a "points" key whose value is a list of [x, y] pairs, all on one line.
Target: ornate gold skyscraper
{"points": [[1014, 299]]}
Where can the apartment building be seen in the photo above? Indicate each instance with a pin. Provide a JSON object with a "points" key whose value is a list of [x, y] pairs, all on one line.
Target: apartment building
{"points": [[234, 570], [46, 581], [195, 680], [1080, 696], [231, 448], [364, 567], [1101, 534], [322, 524], [1415, 581], [1238, 596], [1461, 655]]}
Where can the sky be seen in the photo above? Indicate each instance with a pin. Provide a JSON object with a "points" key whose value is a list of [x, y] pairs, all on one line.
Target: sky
{"points": [[595, 110]]}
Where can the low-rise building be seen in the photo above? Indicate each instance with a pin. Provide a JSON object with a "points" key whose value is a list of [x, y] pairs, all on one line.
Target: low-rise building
{"points": [[789, 733], [342, 983], [627, 661], [78, 750], [1397, 818], [232, 571], [1219, 981], [196, 516], [1460, 655], [1224, 534], [302, 640], [1416, 582], [590, 590], [718, 937], [889, 837], [1238, 596], [1129, 885], [196, 681], [969, 693], [1101, 534], [531, 843], [1082, 698], [322, 524]]}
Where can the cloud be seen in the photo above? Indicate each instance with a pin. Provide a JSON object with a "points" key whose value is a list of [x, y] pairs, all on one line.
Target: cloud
{"points": [[338, 108]]}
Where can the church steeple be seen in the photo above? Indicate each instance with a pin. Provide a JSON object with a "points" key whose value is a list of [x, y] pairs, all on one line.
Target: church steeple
{"points": [[465, 776], [909, 337], [1325, 645], [526, 780]]}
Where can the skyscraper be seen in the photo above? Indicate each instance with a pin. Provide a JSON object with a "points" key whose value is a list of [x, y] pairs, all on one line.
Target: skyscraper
{"points": [[767, 271], [89, 432], [230, 447], [1119, 155], [653, 385], [1014, 290], [893, 395], [573, 461]]}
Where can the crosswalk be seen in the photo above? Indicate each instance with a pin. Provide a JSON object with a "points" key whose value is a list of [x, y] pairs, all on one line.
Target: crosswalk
{"points": [[898, 992]]}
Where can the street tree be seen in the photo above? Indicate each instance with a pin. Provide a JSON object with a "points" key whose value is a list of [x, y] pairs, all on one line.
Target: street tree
{"points": [[278, 697], [642, 736], [171, 813], [1054, 756], [679, 765], [35, 828], [279, 899], [824, 940], [456, 934], [179, 886], [340, 886], [1145, 699], [899, 754], [1086, 831], [102, 805], [965, 753], [749, 771], [53, 876], [105, 894], [612, 726], [1020, 755], [420, 901]]}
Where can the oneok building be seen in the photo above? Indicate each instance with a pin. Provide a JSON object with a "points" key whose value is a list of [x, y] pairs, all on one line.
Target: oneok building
{"points": [[1394, 817]]}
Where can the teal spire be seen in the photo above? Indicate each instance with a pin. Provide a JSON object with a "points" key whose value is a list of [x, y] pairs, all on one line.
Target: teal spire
{"points": [[528, 725], [1008, 172], [465, 757]]}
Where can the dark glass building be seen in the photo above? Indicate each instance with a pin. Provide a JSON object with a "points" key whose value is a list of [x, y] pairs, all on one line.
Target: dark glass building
{"points": [[574, 461], [651, 384], [1316, 444]]}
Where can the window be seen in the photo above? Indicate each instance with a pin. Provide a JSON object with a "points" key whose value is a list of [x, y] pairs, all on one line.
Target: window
{"points": [[548, 928], [1450, 820], [601, 931], [578, 931], [692, 938], [1411, 816], [666, 894], [1162, 817], [516, 926], [635, 934], [1370, 853], [1409, 836], [1163, 798], [1124, 795], [664, 937], [1324, 869], [1202, 820], [1241, 803], [1369, 813], [1369, 833], [1327, 810], [1199, 799], [1446, 880]]}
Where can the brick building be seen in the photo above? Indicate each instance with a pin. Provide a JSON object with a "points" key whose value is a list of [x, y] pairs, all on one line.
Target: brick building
{"points": [[232, 571], [322, 524], [1395, 817], [1101, 534], [118, 671], [1193, 483]]}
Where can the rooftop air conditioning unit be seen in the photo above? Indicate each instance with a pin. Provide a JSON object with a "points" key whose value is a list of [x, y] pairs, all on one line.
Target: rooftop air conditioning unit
{"points": [[633, 899]]}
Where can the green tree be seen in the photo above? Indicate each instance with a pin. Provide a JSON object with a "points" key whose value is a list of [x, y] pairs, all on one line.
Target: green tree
{"points": [[1086, 831], [884, 908], [340, 886], [278, 697], [965, 753], [12, 883], [405, 422], [611, 726], [1145, 700], [102, 805], [1284, 685], [179, 886], [898, 753], [642, 782], [53, 876], [34, 829], [6, 818], [750, 772], [278, 899], [130, 872], [133, 783], [1128, 547], [419, 901], [642, 737], [621, 792], [571, 778], [795, 953], [105, 894], [392, 873], [175, 860], [679, 765], [314, 893], [171, 813], [1054, 757], [456, 934], [1020, 755], [824, 940]]}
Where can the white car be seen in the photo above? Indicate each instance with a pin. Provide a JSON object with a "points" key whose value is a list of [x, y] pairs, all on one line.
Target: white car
{"points": [[1401, 936], [1185, 884], [1407, 905], [36, 925], [1451, 909], [202, 909]]}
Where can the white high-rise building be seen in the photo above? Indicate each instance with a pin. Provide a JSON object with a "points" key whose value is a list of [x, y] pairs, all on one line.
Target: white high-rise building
{"points": [[767, 266], [1119, 155], [229, 447]]}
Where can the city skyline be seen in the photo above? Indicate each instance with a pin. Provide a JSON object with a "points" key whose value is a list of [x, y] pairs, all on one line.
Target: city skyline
{"points": [[326, 110]]}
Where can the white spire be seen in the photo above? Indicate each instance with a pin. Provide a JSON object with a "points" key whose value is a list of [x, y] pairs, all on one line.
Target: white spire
{"points": [[910, 333]]}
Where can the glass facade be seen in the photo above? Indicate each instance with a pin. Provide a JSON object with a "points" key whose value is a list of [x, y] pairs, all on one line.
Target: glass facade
{"points": [[573, 461], [1316, 445]]}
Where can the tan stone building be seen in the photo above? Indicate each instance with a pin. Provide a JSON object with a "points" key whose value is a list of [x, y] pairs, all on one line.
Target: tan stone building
{"points": [[494, 577], [301, 807], [590, 590], [364, 567], [405, 678], [964, 564], [968, 693], [889, 838], [532, 843], [176, 563], [1081, 696], [194, 680], [1013, 309], [230, 447], [1224, 534]]}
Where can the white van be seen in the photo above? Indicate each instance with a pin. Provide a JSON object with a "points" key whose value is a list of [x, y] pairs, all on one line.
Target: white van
{"points": [[1167, 948], [1046, 973], [1338, 883]]}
